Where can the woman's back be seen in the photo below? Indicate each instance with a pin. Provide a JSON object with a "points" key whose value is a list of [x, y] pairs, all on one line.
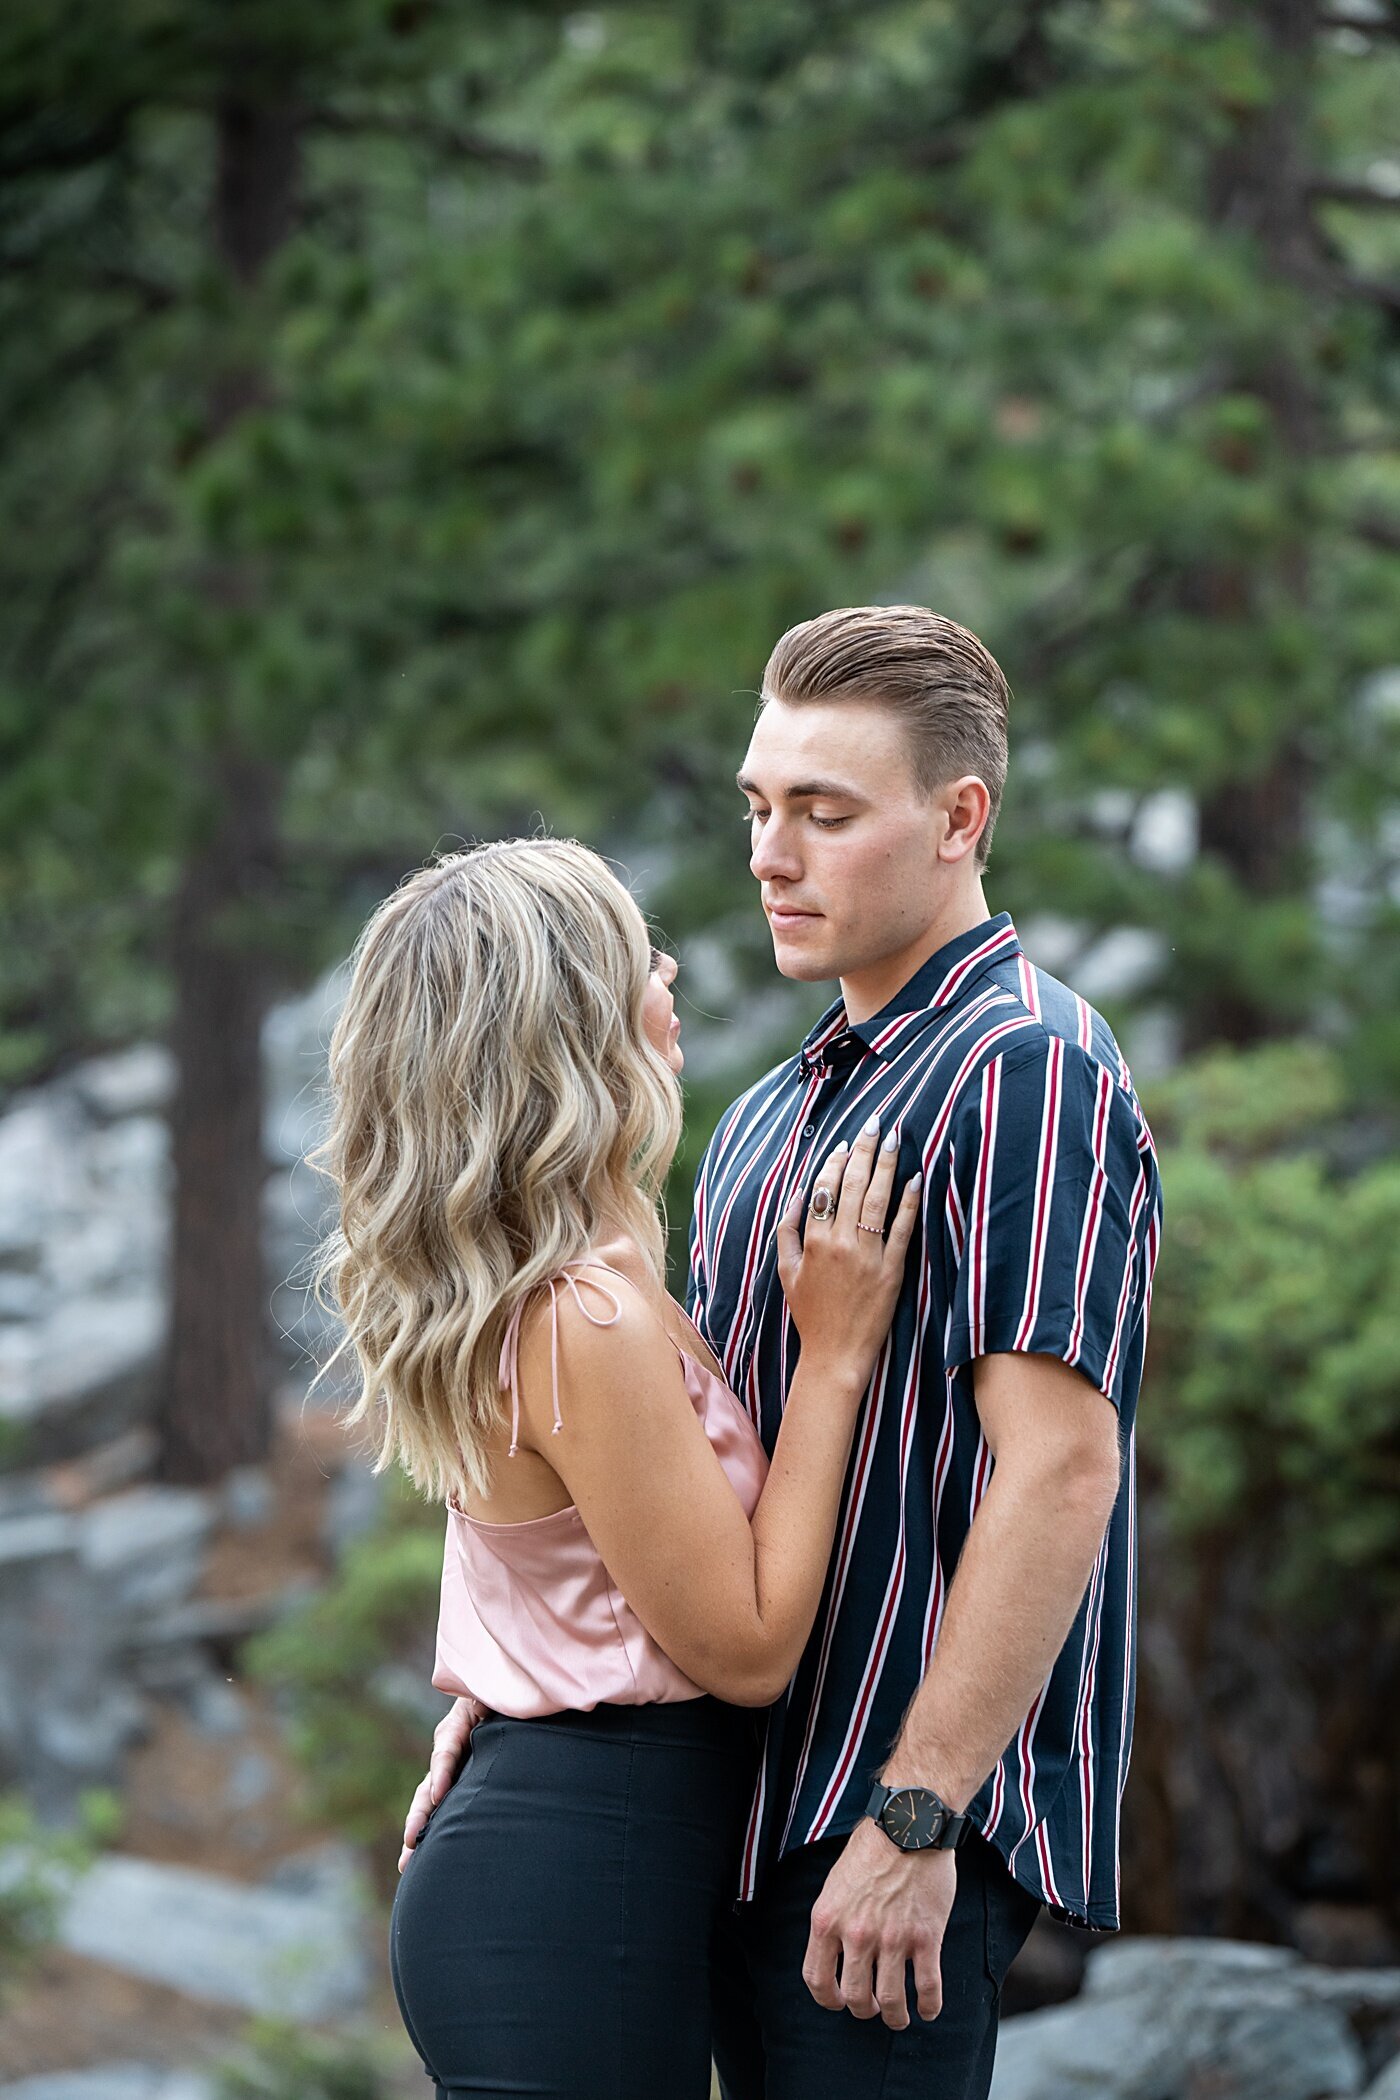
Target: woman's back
{"points": [[531, 1621]]}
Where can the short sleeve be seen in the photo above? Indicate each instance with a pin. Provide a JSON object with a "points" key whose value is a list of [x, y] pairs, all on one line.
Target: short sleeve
{"points": [[695, 1291], [1051, 1197]]}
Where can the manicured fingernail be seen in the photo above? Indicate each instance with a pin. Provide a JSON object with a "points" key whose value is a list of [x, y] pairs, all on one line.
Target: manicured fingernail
{"points": [[869, 1129], [891, 1143], [842, 1147], [915, 1180]]}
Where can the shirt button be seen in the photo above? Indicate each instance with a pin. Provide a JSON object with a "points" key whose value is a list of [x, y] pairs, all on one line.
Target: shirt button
{"points": [[809, 1130]]}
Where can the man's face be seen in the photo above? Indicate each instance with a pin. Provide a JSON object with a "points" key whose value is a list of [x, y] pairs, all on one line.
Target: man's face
{"points": [[844, 847]]}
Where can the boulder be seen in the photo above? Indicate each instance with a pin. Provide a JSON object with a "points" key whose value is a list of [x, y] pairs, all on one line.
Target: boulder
{"points": [[84, 1223], [295, 1039], [293, 1952], [146, 1545], [83, 1373], [66, 1714], [135, 1082], [353, 1506], [120, 2081], [1176, 2019]]}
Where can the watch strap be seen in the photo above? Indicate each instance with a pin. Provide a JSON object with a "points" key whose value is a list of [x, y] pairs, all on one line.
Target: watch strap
{"points": [[952, 1831]]}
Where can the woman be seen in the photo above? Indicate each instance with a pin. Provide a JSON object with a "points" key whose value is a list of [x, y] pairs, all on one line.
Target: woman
{"points": [[625, 1575]]}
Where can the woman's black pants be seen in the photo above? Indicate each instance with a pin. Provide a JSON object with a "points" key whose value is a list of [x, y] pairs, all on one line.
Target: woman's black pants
{"points": [[552, 1932]]}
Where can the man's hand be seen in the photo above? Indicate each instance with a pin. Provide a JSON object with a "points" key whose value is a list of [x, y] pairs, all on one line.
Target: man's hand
{"points": [[880, 1909], [451, 1738]]}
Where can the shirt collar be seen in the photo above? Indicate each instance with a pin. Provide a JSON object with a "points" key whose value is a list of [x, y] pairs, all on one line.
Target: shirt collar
{"points": [[936, 985]]}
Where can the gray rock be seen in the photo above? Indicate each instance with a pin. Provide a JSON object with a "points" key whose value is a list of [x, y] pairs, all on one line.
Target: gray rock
{"points": [[216, 1706], [406, 1690], [330, 1870], [85, 1373], [298, 1955], [102, 1470], [1355, 1990], [39, 1141], [298, 1210], [21, 1295], [134, 1082], [169, 1669], [118, 2081], [89, 1740], [247, 1497], [353, 1505], [66, 1715], [223, 1621], [146, 1545], [1170, 2019], [82, 1204], [295, 1038], [1387, 2086], [84, 1222], [251, 1780], [25, 1495], [84, 1229]]}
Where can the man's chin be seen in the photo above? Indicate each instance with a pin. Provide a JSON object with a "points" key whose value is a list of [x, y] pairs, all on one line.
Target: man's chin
{"points": [[804, 968]]}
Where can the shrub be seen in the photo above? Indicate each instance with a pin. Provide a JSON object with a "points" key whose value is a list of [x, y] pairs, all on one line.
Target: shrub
{"points": [[1272, 1402], [281, 2063], [37, 1868], [353, 1670]]}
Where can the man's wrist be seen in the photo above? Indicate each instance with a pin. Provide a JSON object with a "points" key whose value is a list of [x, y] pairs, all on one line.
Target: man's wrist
{"points": [[916, 1819], [930, 1772]]}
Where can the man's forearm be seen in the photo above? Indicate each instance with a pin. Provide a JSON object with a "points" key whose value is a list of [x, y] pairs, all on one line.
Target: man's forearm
{"points": [[1020, 1580]]}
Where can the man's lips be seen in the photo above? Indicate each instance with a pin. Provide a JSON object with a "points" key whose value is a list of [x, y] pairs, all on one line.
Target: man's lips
{"points": [[789, 915]]}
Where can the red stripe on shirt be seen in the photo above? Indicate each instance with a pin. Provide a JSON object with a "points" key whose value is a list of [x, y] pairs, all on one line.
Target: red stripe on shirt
{"points": [[1044, 1190]]}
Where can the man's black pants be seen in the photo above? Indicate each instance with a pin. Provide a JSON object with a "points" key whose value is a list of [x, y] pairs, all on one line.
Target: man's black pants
{"points": [[771, 2039]]}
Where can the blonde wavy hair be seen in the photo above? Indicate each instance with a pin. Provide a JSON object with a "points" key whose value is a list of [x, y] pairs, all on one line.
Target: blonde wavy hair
{"points": [[495, 1107]]}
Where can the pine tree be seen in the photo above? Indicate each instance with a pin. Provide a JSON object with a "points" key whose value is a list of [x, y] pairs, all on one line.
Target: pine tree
{"points": [[1078, 323], [426, 418], [215, 576]]}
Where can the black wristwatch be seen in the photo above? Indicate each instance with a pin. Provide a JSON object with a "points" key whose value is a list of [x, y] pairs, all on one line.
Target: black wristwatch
{"points": [[914, 1818]]}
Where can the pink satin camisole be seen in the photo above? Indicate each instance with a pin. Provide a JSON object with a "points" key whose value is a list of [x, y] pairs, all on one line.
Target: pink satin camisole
{"points": [[530, 1620]]}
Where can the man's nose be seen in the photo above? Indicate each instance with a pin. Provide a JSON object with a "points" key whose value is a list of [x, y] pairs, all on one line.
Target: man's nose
{"points": [[775, 854]]}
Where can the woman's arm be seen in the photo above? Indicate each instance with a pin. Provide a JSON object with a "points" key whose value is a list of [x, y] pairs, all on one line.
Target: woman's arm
{"points": [[731, 1602]]}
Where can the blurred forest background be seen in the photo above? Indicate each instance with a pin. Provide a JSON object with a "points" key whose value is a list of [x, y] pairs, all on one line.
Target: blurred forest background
{"points": [[420, 421]]}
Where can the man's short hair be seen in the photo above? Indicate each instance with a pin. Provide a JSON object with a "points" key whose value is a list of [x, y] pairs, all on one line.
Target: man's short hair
{"points": [[944, 685]]}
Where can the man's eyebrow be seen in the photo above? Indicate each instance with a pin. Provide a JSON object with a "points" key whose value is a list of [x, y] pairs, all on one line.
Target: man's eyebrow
{"points": [[803, 790]]}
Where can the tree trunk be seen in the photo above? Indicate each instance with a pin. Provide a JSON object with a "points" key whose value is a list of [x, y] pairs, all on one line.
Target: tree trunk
{"points": [[215, 1406], [1258, 827]]}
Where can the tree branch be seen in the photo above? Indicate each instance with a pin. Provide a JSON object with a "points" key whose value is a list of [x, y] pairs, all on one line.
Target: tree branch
{"points": [[447, 138], [57, 154], [1376, 291], [1377, 531], [152, 295], [944, 150], [1363, 25], [1359, 194]]}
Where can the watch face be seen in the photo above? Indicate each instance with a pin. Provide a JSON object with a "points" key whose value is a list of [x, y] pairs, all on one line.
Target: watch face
{"points": [[913, 1817]]}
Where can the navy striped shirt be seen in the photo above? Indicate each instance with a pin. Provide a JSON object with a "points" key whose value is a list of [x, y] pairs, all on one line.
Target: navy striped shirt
{"points": [[1041, 1219]]}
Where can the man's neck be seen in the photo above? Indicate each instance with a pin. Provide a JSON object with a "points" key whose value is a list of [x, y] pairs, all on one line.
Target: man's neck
{"points": [[866, 991]]}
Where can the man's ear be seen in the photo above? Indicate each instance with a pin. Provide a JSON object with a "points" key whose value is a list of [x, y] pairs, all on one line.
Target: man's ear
{"points": [[964, 807]]}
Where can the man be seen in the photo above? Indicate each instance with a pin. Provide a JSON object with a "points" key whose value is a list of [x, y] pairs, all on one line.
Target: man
{"points": [[952, 1751]]}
